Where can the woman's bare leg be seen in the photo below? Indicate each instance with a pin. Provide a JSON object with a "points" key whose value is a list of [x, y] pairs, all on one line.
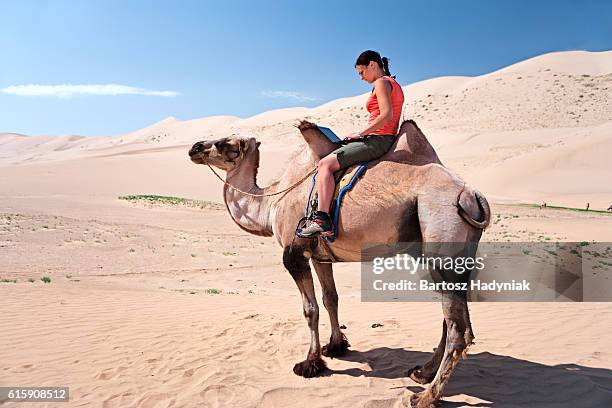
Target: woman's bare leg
{"points": [[325, 181]]}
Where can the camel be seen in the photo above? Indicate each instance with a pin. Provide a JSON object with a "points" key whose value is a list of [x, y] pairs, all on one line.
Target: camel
{"points": [[408, 192]]}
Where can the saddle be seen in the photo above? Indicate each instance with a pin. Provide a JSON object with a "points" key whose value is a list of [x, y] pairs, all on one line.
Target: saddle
{"points": [[345, 180]]}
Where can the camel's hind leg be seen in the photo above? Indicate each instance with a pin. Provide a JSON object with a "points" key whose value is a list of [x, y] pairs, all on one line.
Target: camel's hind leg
{"points": [[338, 344], [425, 374], [458, 338], [445, 234], [297, 265]]}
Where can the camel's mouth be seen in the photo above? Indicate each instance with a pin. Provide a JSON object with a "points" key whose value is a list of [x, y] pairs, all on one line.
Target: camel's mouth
{"points": [[197, 159], [199, 152]]}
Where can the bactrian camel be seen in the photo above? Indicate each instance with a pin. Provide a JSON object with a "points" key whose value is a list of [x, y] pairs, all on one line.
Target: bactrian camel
{"points": [[405, 196]]}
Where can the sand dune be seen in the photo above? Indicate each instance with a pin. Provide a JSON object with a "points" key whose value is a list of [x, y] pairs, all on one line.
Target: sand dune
{"points": [[567, 62], [550, 84], [553, 109]]}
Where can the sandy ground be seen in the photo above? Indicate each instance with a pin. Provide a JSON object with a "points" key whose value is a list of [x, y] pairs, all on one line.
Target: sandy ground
{"points": [[132, 317], [159, 306]]}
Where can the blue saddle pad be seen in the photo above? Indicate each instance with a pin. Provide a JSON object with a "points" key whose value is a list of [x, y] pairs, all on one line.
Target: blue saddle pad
{"points": [[337, 201]]}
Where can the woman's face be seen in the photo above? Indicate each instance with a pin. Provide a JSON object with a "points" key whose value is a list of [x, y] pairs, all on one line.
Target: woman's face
{"points": [[367, 72]]}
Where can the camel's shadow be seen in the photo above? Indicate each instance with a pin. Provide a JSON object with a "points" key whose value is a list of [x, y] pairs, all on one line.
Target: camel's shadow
{"points": [[503, 381]]}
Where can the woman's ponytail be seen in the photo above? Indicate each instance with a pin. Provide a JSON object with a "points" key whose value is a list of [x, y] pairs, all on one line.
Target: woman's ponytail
{"points": [[385, 66]]}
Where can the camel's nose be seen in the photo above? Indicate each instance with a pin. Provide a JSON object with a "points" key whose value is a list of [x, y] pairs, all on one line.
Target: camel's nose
{"points": [[200, 147]]}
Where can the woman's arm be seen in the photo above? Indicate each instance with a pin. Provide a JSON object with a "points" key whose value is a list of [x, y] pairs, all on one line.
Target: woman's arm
{"points": [[382, 89]]}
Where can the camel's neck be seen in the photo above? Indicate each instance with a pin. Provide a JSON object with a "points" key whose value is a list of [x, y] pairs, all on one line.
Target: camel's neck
{"points": [[252, 214]]}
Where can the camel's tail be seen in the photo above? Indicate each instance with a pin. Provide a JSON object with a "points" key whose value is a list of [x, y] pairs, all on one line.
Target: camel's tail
{"points": [[473, 207]]}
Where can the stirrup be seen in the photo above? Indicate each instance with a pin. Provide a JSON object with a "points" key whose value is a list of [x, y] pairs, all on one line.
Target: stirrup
{"points": [[301, 224], [313, 218]]}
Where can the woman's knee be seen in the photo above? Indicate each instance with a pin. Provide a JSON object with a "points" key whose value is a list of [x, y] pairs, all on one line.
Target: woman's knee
{"points": [[328, 164]]}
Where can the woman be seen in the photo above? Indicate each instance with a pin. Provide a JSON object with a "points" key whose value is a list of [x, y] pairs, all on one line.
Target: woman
{"points": [[385, 108]]}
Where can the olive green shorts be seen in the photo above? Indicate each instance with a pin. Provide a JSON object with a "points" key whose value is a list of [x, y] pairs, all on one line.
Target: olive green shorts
{"points": [[369, 147]]}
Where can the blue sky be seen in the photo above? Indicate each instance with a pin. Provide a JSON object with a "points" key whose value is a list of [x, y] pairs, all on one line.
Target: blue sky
{"points": [[141, 61]]}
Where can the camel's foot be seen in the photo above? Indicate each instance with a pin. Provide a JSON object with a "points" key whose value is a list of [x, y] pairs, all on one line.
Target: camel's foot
{"points": [[421, 400], [310, 367], [420, 375], [336, 350]]}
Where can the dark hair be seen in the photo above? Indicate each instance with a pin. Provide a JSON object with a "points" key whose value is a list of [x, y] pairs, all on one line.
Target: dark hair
{"points": [[369, 55]]}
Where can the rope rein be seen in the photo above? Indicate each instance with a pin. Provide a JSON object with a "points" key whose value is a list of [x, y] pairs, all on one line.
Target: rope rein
{"points": [[291, 187]]}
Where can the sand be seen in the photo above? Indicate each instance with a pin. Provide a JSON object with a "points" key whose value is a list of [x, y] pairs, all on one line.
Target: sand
{"points": [[166, 305]]}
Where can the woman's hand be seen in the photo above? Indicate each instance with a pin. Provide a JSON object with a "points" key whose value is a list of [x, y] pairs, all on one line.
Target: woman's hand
{"points": [[352, 136]]}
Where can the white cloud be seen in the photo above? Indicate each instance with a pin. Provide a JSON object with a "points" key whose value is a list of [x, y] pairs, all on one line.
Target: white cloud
{"points": [[289, 95], [67, 91]]}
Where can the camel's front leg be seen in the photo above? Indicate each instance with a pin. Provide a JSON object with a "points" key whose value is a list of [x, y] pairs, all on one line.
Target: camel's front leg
{"points": [[338, 344], [297, 265]]}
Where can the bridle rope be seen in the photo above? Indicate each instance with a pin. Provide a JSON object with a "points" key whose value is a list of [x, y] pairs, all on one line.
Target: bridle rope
{"points": [[263, 195]]}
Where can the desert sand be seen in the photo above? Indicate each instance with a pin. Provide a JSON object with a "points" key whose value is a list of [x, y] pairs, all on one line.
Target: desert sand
{"points": [[176, 306]]}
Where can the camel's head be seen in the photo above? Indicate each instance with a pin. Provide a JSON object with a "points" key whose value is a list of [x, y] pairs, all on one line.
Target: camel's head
{"points": [[226, 153]]}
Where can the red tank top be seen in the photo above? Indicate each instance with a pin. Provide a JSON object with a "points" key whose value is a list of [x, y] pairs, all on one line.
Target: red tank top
{"points": [[397, 102]]}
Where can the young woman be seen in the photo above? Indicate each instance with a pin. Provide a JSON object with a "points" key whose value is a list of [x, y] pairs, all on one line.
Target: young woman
{"points": [[385, 108]]}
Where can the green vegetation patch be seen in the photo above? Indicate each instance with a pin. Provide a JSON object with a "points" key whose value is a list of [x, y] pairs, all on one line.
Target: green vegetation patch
{"points": [[172, 201]]}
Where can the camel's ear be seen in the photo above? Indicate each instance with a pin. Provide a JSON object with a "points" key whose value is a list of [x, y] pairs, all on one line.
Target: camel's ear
{"points": [[244, 145]]}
